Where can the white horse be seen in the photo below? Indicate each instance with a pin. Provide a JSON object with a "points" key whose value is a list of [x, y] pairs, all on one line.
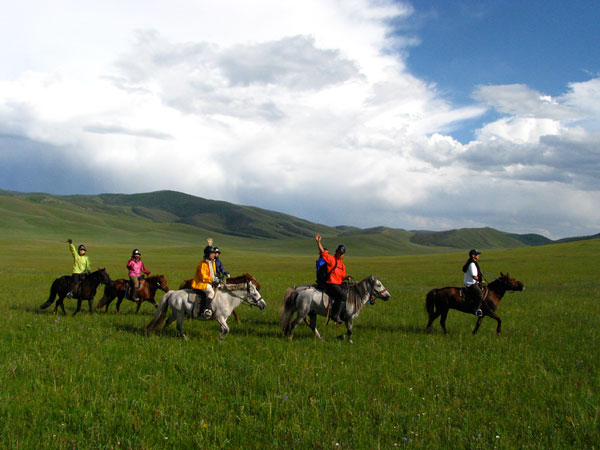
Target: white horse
{"points": [[309, 301], [228, 297]]}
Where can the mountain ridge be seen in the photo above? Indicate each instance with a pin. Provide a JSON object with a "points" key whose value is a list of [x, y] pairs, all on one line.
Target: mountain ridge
{"points": [[176, 212]]}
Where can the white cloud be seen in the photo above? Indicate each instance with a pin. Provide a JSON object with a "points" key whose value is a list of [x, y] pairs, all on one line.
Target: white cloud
{"points": [[294, 107]]}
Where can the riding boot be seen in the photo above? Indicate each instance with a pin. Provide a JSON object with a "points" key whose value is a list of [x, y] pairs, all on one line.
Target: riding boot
{"points": [[335, 311], [205, 308], [134, 296]]}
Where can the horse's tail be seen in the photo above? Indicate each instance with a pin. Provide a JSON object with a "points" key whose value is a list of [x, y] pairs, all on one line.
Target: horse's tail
{"points": [[53, 294], [430, 301], [159, 316], [108, 295], [286, 309]]}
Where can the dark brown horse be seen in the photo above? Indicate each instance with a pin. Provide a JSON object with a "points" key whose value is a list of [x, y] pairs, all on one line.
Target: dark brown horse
{"points": [[439, 301], [85, 290], [146, 292], [187, 284]]}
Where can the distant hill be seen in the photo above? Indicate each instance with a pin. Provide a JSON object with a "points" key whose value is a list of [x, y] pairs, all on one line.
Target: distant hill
{"points": [[478, 238], [168, 216]]}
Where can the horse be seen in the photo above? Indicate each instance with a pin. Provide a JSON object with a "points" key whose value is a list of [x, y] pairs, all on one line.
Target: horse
{"points": [[187, 284], [146, 292], [439, 301], [227, 297], [85, 290], [309, 301]]}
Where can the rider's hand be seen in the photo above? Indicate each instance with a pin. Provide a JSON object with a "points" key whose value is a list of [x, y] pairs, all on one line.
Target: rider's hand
{"points": [[70, 241]]}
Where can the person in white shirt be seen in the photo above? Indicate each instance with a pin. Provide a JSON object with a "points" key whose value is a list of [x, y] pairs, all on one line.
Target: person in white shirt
{"points": [[473, 280]]}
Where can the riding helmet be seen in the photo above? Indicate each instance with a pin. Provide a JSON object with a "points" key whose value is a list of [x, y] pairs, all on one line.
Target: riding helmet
{"points": [[216, 250], [474, 252], [135, 252], [81, 247], [208, 250], [340, 249]]}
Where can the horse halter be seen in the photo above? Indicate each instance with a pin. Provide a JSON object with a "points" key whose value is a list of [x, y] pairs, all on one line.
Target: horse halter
{"points": [[246, 285], [373, 293]]}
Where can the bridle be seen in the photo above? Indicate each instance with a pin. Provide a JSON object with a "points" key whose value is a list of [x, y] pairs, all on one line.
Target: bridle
{"points": [[373, 293], [244, 286]]}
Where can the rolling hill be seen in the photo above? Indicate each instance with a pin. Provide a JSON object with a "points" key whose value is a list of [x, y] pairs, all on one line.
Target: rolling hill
{"points": [[178, 218]]}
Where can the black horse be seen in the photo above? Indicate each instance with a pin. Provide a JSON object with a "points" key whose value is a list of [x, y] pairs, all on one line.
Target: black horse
{"points": [[85, 290]]}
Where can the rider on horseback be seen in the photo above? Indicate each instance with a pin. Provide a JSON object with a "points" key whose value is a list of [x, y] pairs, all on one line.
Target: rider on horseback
{"points": [[336, 271], [81, 266], [136, 268], [204, 279], [473, 280], [221, 272]]}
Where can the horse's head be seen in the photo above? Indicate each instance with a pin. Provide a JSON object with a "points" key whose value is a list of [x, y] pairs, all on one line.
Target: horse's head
{"points": [[378, 290], [161, 282], [511, 283], [254, 298], [103, 277]]}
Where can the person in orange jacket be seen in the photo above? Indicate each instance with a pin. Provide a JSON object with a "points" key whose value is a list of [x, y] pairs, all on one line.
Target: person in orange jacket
{"points": [[336, 271], [203, 282]]}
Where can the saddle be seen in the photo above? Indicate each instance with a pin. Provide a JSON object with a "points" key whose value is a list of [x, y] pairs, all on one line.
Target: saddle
{"points": [[129, 288], [484, 290]]}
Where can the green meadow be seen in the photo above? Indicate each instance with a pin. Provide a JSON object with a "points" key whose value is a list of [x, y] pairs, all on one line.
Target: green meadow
{"points": [[96, 381]]}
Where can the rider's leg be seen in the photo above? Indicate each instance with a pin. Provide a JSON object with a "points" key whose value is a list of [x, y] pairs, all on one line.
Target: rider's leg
{"points": [[478, 297], [338, 298], [135, 282], [209, 293], [75, 279]]}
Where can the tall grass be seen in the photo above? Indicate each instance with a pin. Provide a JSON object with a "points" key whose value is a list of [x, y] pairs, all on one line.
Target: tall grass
{"points": [[96, 381]]}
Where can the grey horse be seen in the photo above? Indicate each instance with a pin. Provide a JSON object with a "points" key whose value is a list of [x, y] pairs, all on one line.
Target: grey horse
{"points": [[309, 301], [228, 297]]}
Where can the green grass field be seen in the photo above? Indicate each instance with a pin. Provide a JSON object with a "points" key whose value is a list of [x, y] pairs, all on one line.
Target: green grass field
{"points": [[96, 381]]}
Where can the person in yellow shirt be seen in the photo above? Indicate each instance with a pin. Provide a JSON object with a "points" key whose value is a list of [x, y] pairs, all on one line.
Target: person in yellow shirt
{"points": [[81, 266], [203, 282]]}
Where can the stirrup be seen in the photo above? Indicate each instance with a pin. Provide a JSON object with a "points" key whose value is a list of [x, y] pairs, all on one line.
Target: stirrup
{"points": [[69, 294], [479, 312], [207, 314]]}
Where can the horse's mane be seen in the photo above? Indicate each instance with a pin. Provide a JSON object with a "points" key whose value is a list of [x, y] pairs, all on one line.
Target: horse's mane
{"points": [[245, 278], [356, 293]]}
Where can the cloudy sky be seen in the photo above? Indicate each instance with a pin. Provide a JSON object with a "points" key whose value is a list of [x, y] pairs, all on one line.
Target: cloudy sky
{"points": [[416, 115]]}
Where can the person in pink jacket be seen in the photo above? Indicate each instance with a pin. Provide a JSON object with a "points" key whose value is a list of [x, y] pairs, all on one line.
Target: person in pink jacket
{"points": [[136, 267]]}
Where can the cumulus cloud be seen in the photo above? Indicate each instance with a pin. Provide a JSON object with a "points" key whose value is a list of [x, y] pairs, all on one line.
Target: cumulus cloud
{"points": [[310, 115]]}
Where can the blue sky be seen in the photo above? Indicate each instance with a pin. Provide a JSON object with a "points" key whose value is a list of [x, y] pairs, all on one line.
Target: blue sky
{"points": [[543, 44], [415, 115]]}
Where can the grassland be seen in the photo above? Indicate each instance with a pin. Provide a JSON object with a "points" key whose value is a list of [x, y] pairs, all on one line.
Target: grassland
{"points": [[96, 381]]}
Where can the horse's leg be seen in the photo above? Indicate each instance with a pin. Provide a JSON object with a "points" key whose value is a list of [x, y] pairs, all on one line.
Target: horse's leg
{"points": [[235, 314], [493, 316], [79, 300], [432, 317], [180, 325], [313, 324], [477, 324], [139, 304], [60, 303], [301, 315], [120, 298], [443, 315], [172, 318], [91, 304], [224, 328]]}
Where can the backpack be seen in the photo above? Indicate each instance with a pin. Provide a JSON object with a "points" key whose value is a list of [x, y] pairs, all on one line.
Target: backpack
{"points": [[323, 274]]}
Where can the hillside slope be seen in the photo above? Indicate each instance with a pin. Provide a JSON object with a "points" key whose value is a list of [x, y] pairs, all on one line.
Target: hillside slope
{"points": [[174, 217]]}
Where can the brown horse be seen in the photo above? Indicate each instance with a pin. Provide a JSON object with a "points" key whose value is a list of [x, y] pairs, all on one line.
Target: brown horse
{"points": [[146, 292], [84, 290], [439, 301], [187, 284]]}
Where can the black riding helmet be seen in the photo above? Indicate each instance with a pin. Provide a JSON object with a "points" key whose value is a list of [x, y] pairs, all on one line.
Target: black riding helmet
{"points": [[81, 247], [216, 250], [135, 252], [340, 249], [474, 252], [208, 250]]}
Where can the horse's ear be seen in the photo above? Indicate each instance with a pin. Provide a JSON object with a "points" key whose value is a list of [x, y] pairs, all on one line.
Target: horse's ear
{"points": [[501, 275]]}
